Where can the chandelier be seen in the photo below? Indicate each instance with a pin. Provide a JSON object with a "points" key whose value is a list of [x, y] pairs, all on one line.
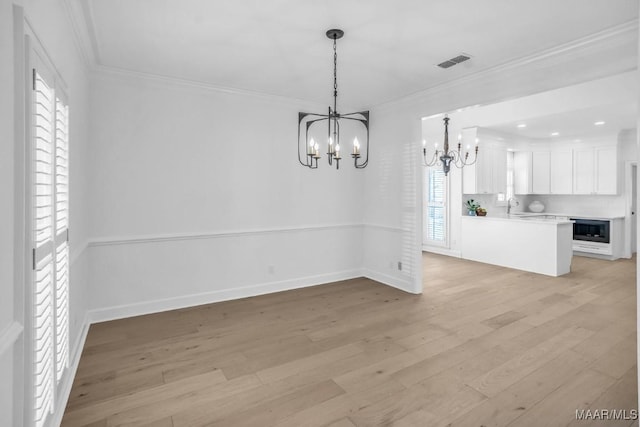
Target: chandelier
{"points": [[308, 148], [449, 157]]}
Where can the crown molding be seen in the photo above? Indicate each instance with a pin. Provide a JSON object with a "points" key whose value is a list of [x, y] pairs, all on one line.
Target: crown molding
{"points": [[602, 40], [186, 83], [80, 30]]}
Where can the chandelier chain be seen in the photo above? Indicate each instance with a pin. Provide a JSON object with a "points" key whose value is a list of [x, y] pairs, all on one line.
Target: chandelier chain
{"points": [[335, 75]]}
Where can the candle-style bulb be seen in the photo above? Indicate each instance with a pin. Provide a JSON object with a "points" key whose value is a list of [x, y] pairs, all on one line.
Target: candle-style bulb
{"points": [[424, 142], [459, 137], [477, 141]]}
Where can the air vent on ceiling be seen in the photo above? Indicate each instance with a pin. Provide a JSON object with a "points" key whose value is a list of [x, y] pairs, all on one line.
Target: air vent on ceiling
{"points": [[453, 61]]}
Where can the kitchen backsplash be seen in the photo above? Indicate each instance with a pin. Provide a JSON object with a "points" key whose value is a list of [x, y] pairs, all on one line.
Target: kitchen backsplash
{"points": [[568, 204]]}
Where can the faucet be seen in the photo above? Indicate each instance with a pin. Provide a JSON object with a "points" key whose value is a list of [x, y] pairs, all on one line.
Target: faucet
{"points": [[512, 199]]}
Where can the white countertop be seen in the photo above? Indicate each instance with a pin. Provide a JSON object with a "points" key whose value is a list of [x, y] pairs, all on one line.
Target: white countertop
{"points": [[519, 217], [581, 216]]}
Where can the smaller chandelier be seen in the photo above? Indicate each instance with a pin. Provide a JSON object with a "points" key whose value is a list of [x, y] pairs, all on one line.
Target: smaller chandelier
{"points": [[447, 157], [308, 148]]}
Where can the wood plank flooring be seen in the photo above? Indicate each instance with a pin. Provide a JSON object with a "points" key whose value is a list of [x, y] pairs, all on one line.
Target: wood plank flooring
{"points": [[483, 346]]}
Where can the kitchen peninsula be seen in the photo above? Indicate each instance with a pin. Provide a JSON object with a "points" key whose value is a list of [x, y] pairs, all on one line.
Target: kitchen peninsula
{"points": [[531, 243]]}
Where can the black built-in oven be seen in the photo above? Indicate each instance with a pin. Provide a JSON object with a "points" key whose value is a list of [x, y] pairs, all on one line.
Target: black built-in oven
{"points": [[591, 230]]}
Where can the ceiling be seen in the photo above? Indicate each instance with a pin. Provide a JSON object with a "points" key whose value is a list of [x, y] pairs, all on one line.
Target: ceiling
{"points": [[575, 124], [390, 48]]}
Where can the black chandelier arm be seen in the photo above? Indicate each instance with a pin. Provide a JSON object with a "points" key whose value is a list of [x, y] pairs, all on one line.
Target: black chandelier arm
{"points": [[308, 123], [366, 159]]}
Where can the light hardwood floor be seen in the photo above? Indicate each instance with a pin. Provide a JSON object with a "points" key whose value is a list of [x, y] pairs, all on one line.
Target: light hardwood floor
{"points": [[483, 346]]}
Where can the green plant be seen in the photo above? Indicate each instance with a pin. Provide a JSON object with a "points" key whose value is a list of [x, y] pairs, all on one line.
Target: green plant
{"points": [[471, 205]]}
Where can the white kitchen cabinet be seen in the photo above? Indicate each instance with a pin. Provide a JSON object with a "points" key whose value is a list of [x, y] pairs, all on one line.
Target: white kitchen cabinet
{"points": [[522, 172], [561, 171], [606, 173], [583, 170], [595, 170], [489, 174], [540, 172]]}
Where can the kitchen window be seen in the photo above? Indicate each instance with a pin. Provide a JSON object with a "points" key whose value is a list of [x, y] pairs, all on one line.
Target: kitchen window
{"points": [[436, 208]]}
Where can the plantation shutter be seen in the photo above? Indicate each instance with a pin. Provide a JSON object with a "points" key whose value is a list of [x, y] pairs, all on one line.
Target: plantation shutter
{"points": [[50, 183], [436, 206], [62, 236]]}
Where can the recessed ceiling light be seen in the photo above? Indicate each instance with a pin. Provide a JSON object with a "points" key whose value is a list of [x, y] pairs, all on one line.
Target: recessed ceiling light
{"points": [[600, 123], [577, 140], [555, 133], [522, 125]]}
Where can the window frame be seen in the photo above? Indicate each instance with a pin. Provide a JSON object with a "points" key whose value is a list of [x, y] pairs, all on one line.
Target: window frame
{"points": [[36, 58], [444, 204]]}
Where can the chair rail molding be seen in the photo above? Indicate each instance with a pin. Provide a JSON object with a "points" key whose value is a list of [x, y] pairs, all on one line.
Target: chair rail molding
{"points": [[9, 335]]}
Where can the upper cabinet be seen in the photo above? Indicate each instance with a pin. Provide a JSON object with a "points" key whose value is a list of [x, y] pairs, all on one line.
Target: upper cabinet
{"points": [[595, 170], [540, 172], [588, 170], [489, 174], [583, 171], [561, 172], [606, 180], [522, 165]]}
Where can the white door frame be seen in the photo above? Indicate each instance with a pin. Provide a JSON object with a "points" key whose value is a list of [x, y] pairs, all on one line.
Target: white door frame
{"points": [[628, 189]]}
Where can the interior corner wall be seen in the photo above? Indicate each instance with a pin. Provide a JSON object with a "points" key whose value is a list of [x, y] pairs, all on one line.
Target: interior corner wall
{"points": [[197, 196]]}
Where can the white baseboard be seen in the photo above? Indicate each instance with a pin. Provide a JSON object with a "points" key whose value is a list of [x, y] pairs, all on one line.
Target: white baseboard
{"points": [[74, 361], [184, 301], [442, 251], [389, 280]]}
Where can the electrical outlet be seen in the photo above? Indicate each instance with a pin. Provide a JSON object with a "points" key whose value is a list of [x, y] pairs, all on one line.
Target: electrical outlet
{"points": [[400, 265]]}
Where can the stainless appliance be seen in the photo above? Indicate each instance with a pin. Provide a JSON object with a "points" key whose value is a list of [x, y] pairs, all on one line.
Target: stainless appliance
{"points": [[591, 230]]}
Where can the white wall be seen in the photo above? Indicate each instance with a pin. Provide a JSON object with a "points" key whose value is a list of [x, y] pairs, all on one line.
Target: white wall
{"points": [[7, 207], [51, 24], [197, 196]]}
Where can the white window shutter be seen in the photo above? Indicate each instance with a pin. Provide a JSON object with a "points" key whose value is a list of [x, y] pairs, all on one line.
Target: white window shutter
{"points": [[43, 322], [62, 247], [436, 208], [50, 189]]}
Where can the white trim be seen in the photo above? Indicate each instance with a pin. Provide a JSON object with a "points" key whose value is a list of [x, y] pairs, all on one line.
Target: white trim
{"points": [[442, 251], [386, 279], [67, 382], [577, 47], [184, 301], [123, 73], [628, 187], [77, 252], [152, 238], [9, 335], [79, 29], [387, 228]]}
